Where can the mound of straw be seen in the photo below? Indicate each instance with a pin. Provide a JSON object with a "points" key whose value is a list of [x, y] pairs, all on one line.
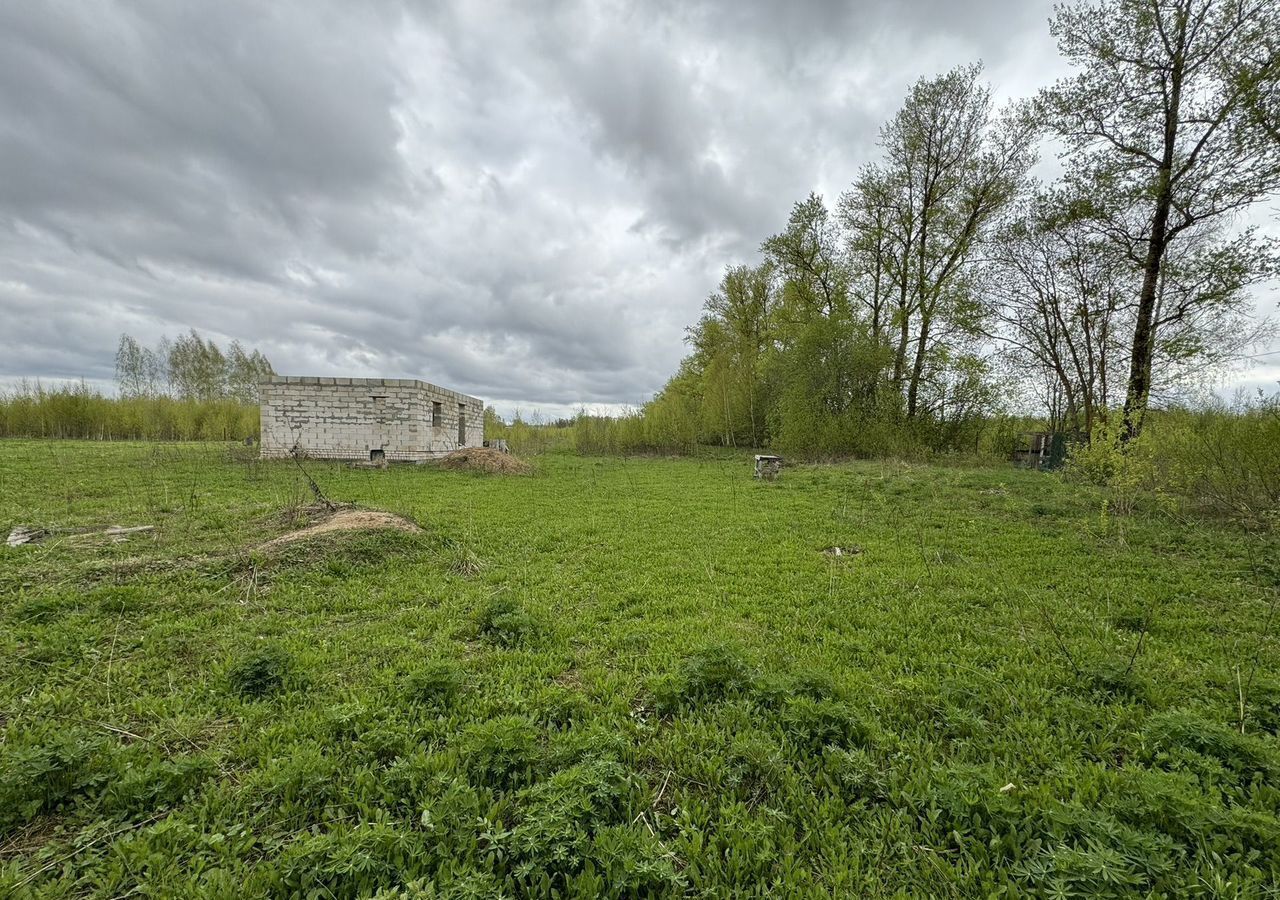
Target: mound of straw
{"points": [[484, 459], [346, 519]]}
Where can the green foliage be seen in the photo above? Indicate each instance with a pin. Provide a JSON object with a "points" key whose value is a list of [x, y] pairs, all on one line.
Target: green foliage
{"points": [[502, 753], [261, 672], [1185, 154], [1216, 459], [78, 411], [436, 684], [1172, 734], [859, 333], [1118, 681], [702, 704], [504, 621], [463, 560], [1224, 457], [189, 368], [558, 817], [816, 724], [1127, 471], [41, 771], [531, 435], [158, 784], [708, 676]]}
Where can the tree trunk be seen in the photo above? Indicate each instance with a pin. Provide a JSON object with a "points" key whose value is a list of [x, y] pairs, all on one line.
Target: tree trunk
{"points": [[1144, 330], [917, 368], [904, 334], [1144, 333]]}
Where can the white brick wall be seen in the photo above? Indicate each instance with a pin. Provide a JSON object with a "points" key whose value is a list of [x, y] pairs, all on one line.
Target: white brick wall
{"points": [[343, 418]]}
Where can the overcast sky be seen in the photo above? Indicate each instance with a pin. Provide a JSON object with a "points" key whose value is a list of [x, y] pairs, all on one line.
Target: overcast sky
{"points": [[528, 202]]}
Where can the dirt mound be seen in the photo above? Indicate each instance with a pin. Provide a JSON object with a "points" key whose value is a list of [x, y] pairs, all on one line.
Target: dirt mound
{"points": [[485, 459], [344, 519]]}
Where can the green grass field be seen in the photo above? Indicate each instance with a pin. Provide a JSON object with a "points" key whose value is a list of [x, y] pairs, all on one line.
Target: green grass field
{"points": [[625, 678]]}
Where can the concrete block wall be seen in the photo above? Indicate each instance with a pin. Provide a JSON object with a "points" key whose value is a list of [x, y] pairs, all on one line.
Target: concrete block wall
{"points": [[347, 418]]}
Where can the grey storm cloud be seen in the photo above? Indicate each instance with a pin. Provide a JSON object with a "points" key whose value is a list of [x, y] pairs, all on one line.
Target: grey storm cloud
{"points": [[528, 202]]}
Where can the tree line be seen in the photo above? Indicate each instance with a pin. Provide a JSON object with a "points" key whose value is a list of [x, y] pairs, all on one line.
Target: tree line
{"points": [[946, 279], [78, 410], [180, 390], [189, 368]]}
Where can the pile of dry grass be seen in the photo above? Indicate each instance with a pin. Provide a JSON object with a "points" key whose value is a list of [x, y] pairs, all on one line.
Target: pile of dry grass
{"points": [[342, 519], [484, 459]]}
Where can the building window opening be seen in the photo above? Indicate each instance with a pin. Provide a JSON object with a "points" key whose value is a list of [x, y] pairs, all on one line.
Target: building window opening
{"points": [[437, 414]]}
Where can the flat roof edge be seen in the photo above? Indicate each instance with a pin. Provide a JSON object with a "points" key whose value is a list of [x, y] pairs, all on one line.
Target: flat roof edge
{"points": [[362, 382]]}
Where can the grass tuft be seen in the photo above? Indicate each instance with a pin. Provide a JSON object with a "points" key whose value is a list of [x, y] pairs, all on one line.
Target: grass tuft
{"points": [[505, 622], [260, 673], [435, 685]]}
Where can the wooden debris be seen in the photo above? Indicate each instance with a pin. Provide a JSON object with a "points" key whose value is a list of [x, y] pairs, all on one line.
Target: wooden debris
{"points": [[22, 534], [120, 534]]}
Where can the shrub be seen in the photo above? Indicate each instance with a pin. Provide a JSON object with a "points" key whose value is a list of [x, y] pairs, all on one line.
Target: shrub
{"points": [[558, 707], [814, 724], [775, 690], [449, 884], [463, 560], [1225, 457], [1128, 472], [580, 744], [260, 673], [1118, 682], [350, 862], [755, 768], [635, 864], [715, 673], [158, 784], [75, 410], [1221, 458], [855, 773], [1264, 704], [39, 610]]}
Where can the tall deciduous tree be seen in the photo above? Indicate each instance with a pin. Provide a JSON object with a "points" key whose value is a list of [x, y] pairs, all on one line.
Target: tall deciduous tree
{"points": [[1059, 287], [878, 233], [1169, 110], [190, 368], [733, 337], [131, 367], [808, 256], [953, 166], [243, 372]]}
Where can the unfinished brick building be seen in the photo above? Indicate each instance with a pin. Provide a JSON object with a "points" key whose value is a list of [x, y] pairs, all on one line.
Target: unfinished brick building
{"points": [[392, 419]]}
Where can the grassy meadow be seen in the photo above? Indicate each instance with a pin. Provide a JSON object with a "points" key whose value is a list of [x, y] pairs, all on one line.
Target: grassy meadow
{"points": [[627, 678]]}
